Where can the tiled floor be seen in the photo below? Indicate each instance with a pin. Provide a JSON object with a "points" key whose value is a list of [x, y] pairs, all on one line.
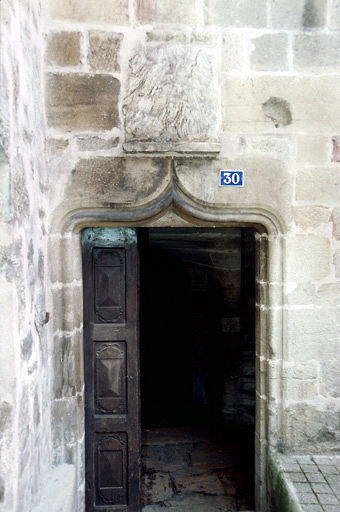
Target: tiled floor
{"points": [[314, 479], [197, 469]]}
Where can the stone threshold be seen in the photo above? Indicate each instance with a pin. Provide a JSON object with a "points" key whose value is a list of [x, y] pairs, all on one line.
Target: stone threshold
{"points": [[305, 483], [196, 468]]}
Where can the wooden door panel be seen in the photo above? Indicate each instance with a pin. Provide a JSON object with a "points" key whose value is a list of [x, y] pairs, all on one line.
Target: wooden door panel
{"points": [[111, 464], [110, 378], [109, 279], [111, 366]]}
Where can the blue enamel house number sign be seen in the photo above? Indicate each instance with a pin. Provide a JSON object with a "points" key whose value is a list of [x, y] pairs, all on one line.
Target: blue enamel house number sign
{"points": [[232, 178]]}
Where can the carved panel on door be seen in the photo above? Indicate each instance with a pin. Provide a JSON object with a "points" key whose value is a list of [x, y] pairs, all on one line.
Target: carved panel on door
{"points": [[111, 462], [109, 281], [110, 378]]}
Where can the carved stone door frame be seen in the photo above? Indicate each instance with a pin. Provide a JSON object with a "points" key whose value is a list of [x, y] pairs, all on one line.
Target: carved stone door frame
{"points": [[176, 203]]}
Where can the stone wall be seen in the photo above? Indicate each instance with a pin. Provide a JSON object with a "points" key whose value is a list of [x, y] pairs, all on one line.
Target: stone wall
{"points": [[274, 72], [126, 118], [25, 441]]}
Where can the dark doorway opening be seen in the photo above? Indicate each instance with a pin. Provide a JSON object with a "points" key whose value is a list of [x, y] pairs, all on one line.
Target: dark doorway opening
{"points": [[198, 365]]}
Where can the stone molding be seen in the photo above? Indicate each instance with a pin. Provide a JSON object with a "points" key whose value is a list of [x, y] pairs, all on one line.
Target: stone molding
{"points": [[178, 202], [174, 197], [172, 147]]}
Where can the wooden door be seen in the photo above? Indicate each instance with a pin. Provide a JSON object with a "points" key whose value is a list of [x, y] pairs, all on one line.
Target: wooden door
{"points": [[111, 366]]}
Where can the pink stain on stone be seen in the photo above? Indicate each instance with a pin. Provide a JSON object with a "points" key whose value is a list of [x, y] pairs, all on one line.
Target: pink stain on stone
{"points": [[336, 149], [146, 10]]}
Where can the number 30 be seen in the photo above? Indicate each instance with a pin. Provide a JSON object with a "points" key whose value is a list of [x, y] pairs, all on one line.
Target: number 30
{"points": [[231, 177]]}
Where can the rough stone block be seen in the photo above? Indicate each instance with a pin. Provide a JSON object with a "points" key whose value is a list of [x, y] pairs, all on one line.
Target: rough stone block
{"points": [[58, 490], [64, 265], [269, 52], [206, 483], [334, 15], [336, 149], [302, 295], [312, 149], [104, 48], [93, 143], [66, 317], [172, 95], [302, 371], [164, 33], [337, 263], [166, 458], [280, 146], [233, 52], [328, 294], [307, 258], [268, 182], [55, 148], [330, 382], [113, 12], [320, 185], [156, 487], [5, 199], [63, 364], [66, 428], [297, 14], [319, 52], [63, 49], [311, 216], [296, 389], [313, 334], [310, 99], [309, 427], [77, 102], [166, 11], [104, 180], [336, 223], [261, 261], [236, 13], [78, 351]]}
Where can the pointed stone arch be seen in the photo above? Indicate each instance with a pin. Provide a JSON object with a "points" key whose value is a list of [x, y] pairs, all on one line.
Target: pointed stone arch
{"points": [[173, 202]]}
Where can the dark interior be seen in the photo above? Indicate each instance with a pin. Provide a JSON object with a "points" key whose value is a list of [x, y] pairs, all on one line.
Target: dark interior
{"points": [[197, 326]]}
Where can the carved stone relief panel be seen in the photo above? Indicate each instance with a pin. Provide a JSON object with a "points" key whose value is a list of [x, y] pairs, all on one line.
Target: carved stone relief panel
{"points": [[172, 99]]}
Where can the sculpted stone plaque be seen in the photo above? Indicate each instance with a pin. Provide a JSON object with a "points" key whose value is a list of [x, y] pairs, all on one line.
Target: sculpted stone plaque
{"points": [[172, 99]]}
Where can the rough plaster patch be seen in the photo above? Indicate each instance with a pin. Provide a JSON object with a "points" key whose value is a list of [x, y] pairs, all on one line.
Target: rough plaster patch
{"points": [[172, 94], [278, 110]]}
